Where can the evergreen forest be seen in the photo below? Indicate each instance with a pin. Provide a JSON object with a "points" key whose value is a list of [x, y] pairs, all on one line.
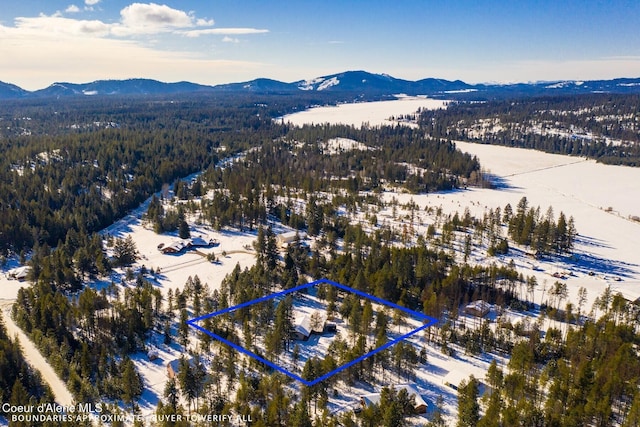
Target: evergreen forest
{"points": [[598, 126], [71, 169]]}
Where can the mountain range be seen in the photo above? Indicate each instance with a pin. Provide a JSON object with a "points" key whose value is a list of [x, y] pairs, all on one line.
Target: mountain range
{"points": [[360, 83]]}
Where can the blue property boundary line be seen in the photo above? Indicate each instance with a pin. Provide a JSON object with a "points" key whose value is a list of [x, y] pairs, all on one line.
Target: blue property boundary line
{"points": [[428, 319]]}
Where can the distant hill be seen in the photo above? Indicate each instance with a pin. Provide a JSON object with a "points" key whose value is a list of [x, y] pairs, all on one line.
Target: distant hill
{"points": [[257, 85], [119, 87], [360, 83], [8, 91]]}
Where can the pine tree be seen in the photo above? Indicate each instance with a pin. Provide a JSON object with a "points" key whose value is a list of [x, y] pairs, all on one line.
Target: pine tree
{"points": [[633, 416], [183, 328], [171, 393], [436, 418], [125, 251], [271, 251], [468, 406], [187, 379], [183, 230], [300, 416], [132, 384]]}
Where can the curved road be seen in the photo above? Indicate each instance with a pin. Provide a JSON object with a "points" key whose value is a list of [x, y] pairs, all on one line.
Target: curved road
{"points": [[34, 358]]}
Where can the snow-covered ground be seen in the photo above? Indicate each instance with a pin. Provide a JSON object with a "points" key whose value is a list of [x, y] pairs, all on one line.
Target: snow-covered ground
{"points": [[34, 358], [601, 199], [235, 248], [339, 145], [374, 113]]}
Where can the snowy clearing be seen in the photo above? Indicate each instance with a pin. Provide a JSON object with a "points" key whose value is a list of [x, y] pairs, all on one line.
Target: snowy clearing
{"points": [[373, 113], [601, 198]]}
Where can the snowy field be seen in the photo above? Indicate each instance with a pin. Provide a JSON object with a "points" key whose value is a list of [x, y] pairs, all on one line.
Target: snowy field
{"points": [[374, 113], [235, 248], [601, 199]]}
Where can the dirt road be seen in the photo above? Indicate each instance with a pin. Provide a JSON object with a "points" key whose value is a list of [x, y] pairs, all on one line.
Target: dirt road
{"points": [[34, 358]]}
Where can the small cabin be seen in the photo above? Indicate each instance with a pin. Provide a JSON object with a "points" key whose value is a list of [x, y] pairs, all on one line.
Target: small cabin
{"points": [[284, 239], [201, 242], [176, 247], [173, 367], [455, 378], [21, 274], [302, 329], [478, 308]]}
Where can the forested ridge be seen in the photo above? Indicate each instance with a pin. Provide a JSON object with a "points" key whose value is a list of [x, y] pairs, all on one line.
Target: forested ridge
{"points": [[600, 126], [95, 176], [86, 179]]}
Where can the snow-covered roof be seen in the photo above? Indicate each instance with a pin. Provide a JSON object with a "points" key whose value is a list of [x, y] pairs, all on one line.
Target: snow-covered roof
{"points": [[177, 246], [202, 241], [480, 307], [175, 365], [287, 237], [455, 377], [371, 399], [20, 273], [303, 327]]}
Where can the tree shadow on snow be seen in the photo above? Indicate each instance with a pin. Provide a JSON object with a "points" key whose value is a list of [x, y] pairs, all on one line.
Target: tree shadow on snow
{"points": [[593, 264], [591, 241]]}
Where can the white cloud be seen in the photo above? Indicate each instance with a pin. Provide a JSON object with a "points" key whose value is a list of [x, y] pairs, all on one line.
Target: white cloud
{"points": [[136, 19], [204, 22], [223, 31], [37, 61], [41, 49], [91, 2], [48, 26], [141, 18], [228, 39]]}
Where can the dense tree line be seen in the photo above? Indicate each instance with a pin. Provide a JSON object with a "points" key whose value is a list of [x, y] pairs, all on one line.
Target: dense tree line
{"points": [[95, 176], [396, 155], [89, 337], [20, 385], [528, 227], [588, 377], [89, 334], [578, 125]]}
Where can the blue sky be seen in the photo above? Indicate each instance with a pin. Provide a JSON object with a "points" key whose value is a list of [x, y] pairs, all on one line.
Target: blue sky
{"points": [[221, 41]]}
